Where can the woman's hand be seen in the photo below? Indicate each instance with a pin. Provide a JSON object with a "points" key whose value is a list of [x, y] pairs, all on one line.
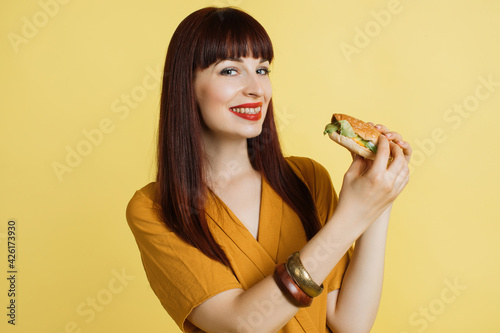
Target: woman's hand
{"points": [[370, 187], [396, 138]]}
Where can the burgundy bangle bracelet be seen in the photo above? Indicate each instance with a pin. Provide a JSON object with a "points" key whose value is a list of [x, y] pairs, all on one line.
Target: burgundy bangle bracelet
{"points": [[289, 288]]}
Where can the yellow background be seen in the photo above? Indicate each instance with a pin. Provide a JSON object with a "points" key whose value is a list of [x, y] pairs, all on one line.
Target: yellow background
{"points": [[74, 73]]}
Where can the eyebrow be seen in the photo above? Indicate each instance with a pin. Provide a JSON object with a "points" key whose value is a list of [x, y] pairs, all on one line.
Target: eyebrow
{"points": [[236, 59]]}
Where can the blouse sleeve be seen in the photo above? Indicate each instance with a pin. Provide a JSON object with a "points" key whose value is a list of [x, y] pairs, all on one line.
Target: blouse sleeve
{"points": [[180, 275]]}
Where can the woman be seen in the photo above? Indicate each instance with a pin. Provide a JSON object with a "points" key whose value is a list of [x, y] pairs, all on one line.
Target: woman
{"points": [[233, 236]]}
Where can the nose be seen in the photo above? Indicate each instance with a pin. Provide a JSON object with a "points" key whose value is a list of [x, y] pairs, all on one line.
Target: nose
{"points": [[253, 85]]}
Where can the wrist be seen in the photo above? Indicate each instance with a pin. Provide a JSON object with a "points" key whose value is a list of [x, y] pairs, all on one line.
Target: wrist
{"points": [[320, 255], [352, 219], [379, 227]]}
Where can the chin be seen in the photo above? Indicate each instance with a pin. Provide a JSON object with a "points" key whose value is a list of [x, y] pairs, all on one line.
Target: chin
{"points": [[252, 132]]}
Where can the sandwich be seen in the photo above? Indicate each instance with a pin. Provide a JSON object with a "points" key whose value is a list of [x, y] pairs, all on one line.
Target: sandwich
{"points": [[359, 137]]}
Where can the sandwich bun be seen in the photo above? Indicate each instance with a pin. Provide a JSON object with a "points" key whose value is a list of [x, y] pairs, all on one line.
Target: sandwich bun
{"points": [[364, 130]]}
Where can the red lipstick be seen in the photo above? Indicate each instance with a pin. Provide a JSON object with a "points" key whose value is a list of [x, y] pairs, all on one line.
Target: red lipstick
{"points": [[247, 116]]}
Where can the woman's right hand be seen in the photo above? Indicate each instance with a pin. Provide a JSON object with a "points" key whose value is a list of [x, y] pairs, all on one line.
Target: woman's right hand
{"points": [[369, 187]]}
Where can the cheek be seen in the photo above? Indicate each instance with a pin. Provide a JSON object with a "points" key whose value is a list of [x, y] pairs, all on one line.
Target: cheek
{"points": [[217, 95], [213, 102]]}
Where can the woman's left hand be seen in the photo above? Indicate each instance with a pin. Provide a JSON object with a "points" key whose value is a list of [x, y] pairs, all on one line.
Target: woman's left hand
{"points": [[395, 138]]}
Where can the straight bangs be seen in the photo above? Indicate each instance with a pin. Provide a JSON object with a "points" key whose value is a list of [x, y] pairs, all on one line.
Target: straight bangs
{"points": [[228, 33]]}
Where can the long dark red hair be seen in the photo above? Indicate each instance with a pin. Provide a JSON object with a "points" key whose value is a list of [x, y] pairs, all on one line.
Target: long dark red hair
{"points": [[202, 38]]}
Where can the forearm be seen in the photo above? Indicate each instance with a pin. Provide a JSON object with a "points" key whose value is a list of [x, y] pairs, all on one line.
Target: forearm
{"points": [[361, 290]]}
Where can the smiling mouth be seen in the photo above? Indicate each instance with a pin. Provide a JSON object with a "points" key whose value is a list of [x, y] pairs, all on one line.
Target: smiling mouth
{"points": [[251, 111], [246, 110]]}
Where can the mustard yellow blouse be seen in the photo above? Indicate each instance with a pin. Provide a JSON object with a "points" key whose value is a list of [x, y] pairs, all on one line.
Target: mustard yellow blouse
{"points": [[182, 277]]}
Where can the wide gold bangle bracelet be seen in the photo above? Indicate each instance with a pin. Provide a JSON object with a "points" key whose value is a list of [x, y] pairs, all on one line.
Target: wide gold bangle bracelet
{"points": [[301, 276]]}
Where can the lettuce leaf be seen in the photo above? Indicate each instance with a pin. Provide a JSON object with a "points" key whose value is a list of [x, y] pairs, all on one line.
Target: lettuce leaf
{"points": [[332, 127], [342, 127], [370, 145], [346, 129]]}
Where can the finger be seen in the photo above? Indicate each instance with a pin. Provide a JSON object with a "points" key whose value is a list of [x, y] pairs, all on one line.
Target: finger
{"points": [[382, 129], [382, 156], [357, 165], [407, 150], [402, 180], [394, 136], [398, 159], [397, 170]]}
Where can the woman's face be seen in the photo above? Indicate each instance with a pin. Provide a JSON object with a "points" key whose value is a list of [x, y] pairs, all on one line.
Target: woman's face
{"points": [[233, 96]]}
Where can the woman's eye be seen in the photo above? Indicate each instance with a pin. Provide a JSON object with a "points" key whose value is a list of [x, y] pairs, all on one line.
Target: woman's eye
{"points": [[263, 71], [229, 71]]}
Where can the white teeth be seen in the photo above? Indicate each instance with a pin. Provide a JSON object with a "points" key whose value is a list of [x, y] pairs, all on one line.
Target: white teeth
{"points": [[247, 110]]}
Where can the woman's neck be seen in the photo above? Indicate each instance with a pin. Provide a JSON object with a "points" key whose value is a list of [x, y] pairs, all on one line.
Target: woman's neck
{"points": [[226, 160]]}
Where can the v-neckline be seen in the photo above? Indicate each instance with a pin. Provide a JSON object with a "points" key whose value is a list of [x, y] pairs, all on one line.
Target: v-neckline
{"points": [[233, 215], [269, 229]]}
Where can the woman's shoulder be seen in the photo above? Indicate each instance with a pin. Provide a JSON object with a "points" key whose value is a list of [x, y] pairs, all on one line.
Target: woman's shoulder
{"points": [[149, 190], [146, 193], [142, 205], [307, 168]]}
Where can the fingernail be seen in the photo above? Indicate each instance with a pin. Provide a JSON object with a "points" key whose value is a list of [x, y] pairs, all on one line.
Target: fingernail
{"points": [[378, 126], [388, 135]]}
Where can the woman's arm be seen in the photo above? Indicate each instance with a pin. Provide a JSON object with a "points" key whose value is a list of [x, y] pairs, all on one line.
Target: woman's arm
{"points": [[368, 190], [354, 307]]}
